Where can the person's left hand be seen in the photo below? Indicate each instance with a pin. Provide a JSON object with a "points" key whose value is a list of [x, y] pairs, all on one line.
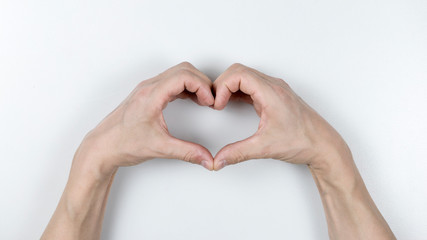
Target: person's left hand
{"points": [[136, 131], [289, 129]]}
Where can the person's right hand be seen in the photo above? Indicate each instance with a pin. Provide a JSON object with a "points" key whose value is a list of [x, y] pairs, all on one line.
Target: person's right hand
{"points": [[136, 131], [289, 129]]}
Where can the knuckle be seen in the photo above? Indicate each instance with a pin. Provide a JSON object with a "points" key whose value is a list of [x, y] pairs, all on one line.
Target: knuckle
{"points": [[241, 71], [244, 71], [187, 157], [283, 83], [247, 73], [185, 64], [240, 156], [208, 81], [279, 89], [237, 66], [183, 74], [283, 92], [192, 156], [142, 93]]}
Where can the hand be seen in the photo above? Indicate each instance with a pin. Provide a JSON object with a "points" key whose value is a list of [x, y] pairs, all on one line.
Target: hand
{"points": [[289, 129], [136, 131]]}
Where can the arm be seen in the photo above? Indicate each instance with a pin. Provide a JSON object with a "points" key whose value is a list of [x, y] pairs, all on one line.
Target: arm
{"points": [[133, 133], [350, 211], [80, 211], [292, 131]]}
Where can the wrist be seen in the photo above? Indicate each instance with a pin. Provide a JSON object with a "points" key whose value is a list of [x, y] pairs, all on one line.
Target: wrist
{"points": [[94, 159], [91, 170], [86, 188], [335, 170]]}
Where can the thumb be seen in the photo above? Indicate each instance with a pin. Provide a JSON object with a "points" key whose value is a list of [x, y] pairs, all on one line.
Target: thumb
{"points": [[249, 148], [189, 152]]}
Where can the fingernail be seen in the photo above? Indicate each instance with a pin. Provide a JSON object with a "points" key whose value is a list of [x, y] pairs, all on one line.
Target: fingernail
{"points": [[221, 164], [205, 164]]}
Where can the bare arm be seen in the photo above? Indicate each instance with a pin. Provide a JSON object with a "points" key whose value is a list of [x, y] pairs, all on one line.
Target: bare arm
{"points": [[80, 212], [350, 211], [292, 131], [133, 133]]}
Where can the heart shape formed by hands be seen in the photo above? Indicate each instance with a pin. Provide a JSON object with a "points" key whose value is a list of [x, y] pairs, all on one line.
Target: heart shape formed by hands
{"points": [[287, 128], [136, 131]]}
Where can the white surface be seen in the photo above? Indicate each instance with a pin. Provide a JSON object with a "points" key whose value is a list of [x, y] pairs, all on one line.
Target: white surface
{"points": [[65, 65]]}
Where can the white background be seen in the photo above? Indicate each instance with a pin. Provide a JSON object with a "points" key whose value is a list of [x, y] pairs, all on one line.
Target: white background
{"points": [[64, 65]]}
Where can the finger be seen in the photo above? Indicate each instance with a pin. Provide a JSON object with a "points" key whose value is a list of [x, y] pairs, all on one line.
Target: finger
{"points": [[201, 75], [201, 89], [237, 77], [249, 148], [186, 80], [186, 66], [189, 152], [186, 94]]}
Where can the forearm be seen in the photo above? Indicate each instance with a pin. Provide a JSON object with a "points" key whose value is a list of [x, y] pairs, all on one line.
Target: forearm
{"points": [[81, 209], [350, 211]]}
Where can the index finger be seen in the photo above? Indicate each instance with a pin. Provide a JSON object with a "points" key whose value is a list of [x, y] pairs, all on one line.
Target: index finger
{"points": [[238, 77], [183, 77]]}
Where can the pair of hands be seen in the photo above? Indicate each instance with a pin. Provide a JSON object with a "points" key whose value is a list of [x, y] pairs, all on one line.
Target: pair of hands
{"points": [[289, 130], [135, 131]]}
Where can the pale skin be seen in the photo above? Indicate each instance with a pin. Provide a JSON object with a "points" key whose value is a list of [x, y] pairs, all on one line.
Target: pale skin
{"points": [[289, 130]]}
